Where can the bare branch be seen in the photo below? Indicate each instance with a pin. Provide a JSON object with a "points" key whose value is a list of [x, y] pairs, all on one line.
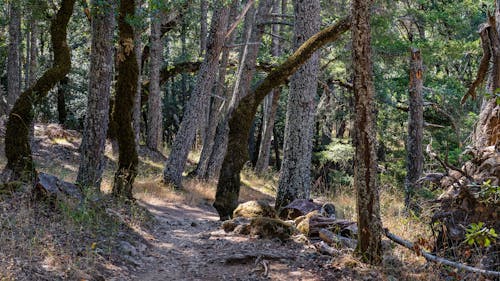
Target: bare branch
{"points": [[436, 259]]}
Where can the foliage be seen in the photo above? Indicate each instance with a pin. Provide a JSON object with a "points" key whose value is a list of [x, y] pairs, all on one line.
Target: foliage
{"points": [[339, 151], [480, 235], [489, 194]]}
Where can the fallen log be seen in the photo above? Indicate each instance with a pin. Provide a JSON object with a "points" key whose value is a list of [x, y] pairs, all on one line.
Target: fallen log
{"points": [[332, 238], [430, 257]]}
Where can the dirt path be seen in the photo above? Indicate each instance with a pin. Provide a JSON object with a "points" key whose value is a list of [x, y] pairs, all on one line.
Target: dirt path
{"points": [[188, 244]]}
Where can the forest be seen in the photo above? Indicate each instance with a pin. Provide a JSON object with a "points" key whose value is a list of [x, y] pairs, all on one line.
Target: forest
{"points": [[249, 140]]}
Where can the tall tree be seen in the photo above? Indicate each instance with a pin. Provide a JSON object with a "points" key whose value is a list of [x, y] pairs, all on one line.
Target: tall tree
{"points": [[14, 56], [228, 186], [174, 166], [92, 160], [17, 145], [365, 159], [271, 102], [126, 89], [295, 175], [253, 32], [217, 104], [154, 125], [415, 156]]}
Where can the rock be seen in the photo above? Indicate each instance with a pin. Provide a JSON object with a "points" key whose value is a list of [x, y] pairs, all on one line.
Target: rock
{"points": [[297, 208], [230, 225], [52, 188], [253, 209], [271, 228], [128, 249]]}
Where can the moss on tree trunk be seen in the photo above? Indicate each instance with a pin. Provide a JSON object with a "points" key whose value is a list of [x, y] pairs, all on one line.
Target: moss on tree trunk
{"points": [[17, 145], [124, 103], [228, 187]]}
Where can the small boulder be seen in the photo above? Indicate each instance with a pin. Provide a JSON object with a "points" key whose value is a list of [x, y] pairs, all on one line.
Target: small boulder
{"points": [[297, 208], [253, 209], [271, 228]]}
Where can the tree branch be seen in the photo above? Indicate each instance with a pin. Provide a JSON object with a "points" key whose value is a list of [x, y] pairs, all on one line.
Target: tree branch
{"points": [[429, 257]]}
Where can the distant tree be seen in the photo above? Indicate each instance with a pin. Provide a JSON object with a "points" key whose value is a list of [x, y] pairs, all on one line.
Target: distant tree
{"points": [[17, 145], [14, 55], [126, 88], [174, 166], [154, 124], [95, 128], [414, 145], [295, 173], [365, 159], [271, 102]]}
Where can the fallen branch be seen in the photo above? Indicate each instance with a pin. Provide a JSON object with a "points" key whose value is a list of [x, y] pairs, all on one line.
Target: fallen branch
{"points": [[332, 238], [436, 259]]}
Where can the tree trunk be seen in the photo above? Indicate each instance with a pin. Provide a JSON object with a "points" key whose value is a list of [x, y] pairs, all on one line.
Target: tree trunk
{"points": [[415, 156], [254, 30], [136, 115], [216, 110], [365, 161], [229, 180], [92, 161], [34, 33], [268, 129], [295, 175], [14, 54], [126, 89], [203, 26], [174, 166], [17, 146], [154, 126], [487, 131], [276, 145], [61, 100], [271, 102]]}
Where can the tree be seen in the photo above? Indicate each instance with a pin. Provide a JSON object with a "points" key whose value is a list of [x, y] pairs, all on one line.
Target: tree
{"points": [[295, 175], [154, 125], [414, 146], [126, 88], [174, 166], [365, 159], [271, 102], [228, 186], [92, 160], [17, 145], [14, 56], [253, 32]]}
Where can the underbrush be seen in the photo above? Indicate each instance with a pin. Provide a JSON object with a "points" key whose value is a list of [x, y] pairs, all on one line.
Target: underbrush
{"points": [[47, 240]]}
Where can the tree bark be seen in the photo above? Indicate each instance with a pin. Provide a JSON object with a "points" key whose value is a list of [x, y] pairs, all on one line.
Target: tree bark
{"points": [[365, 161], [136, 115], [271, 102], [154, 126], [61, 100], [17, 144], [92, 161], [174, 166], [126, 90], [487, 130], [415, 156], [229, 180], [33, 62], [295, 174], [203, 26], [14, 54]]}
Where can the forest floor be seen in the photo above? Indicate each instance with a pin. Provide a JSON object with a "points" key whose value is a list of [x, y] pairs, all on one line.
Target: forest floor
{"points": [[172, 235]]}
